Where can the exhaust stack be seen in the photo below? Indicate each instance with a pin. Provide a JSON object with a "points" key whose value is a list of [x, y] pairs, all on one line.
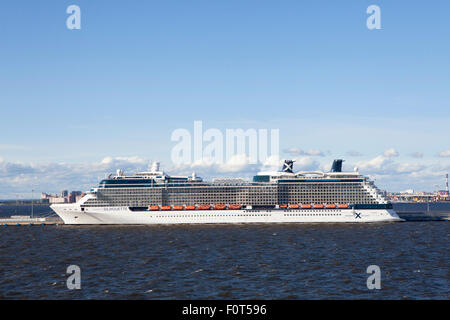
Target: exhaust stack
{"points": [[337, 165], [288, 166]]}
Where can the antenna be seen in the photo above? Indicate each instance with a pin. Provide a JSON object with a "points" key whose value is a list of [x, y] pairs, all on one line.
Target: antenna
{"points": [[446, 183], [32, 211], [155, 167]]}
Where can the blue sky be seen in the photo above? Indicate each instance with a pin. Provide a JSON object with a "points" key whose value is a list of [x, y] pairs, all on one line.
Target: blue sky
{"points": [[138, 70]]}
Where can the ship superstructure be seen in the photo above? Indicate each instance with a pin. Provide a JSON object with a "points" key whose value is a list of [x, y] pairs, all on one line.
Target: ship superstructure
{"points": [[282, 196]]}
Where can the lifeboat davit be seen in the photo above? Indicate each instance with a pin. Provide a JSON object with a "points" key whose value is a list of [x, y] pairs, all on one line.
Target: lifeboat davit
{"points": [[343, 206], [166, 208], [234, 206], [318, 206], [220, 207], [294, 206], [177, 207], [306, 206], [190, 207], [204, 207], [283, 206], [153, 208], [331, 206]]}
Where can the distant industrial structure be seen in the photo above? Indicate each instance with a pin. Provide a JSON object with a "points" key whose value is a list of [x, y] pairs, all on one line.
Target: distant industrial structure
{"points": [[411, 196], [63, 197]]}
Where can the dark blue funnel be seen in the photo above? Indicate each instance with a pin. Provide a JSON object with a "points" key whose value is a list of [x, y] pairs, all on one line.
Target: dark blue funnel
{"points": [[337, 165]]}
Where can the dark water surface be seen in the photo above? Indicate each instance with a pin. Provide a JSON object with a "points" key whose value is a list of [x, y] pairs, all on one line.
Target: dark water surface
{"points": [[289, 261]]}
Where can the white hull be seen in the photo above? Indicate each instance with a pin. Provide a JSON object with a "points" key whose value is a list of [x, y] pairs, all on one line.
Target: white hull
{"points": [[72, 214]]}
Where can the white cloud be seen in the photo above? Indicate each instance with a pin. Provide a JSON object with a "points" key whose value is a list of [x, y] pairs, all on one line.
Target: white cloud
{"points": [[273, 161], [409, 167], [397, 175], [237, 163], [125, 162], [444, 154], [378, 164], [384, 165], [18, 177], [389, 153], [52, 177], [440, 167], [305, 164], [107, 160]]}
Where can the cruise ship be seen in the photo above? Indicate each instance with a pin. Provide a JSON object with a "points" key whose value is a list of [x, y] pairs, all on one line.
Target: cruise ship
{"points": [[283, 196]]}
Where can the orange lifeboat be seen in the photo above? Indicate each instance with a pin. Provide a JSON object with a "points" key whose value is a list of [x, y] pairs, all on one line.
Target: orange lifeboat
{"points": [[190, 207], [343, 206], [204, 207], [177, 207], [220, 207], [166, 208], [331, 206], [234, 206], [294, 206], [153, 208], [318, 206], [283, 206], [306, 206]]}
